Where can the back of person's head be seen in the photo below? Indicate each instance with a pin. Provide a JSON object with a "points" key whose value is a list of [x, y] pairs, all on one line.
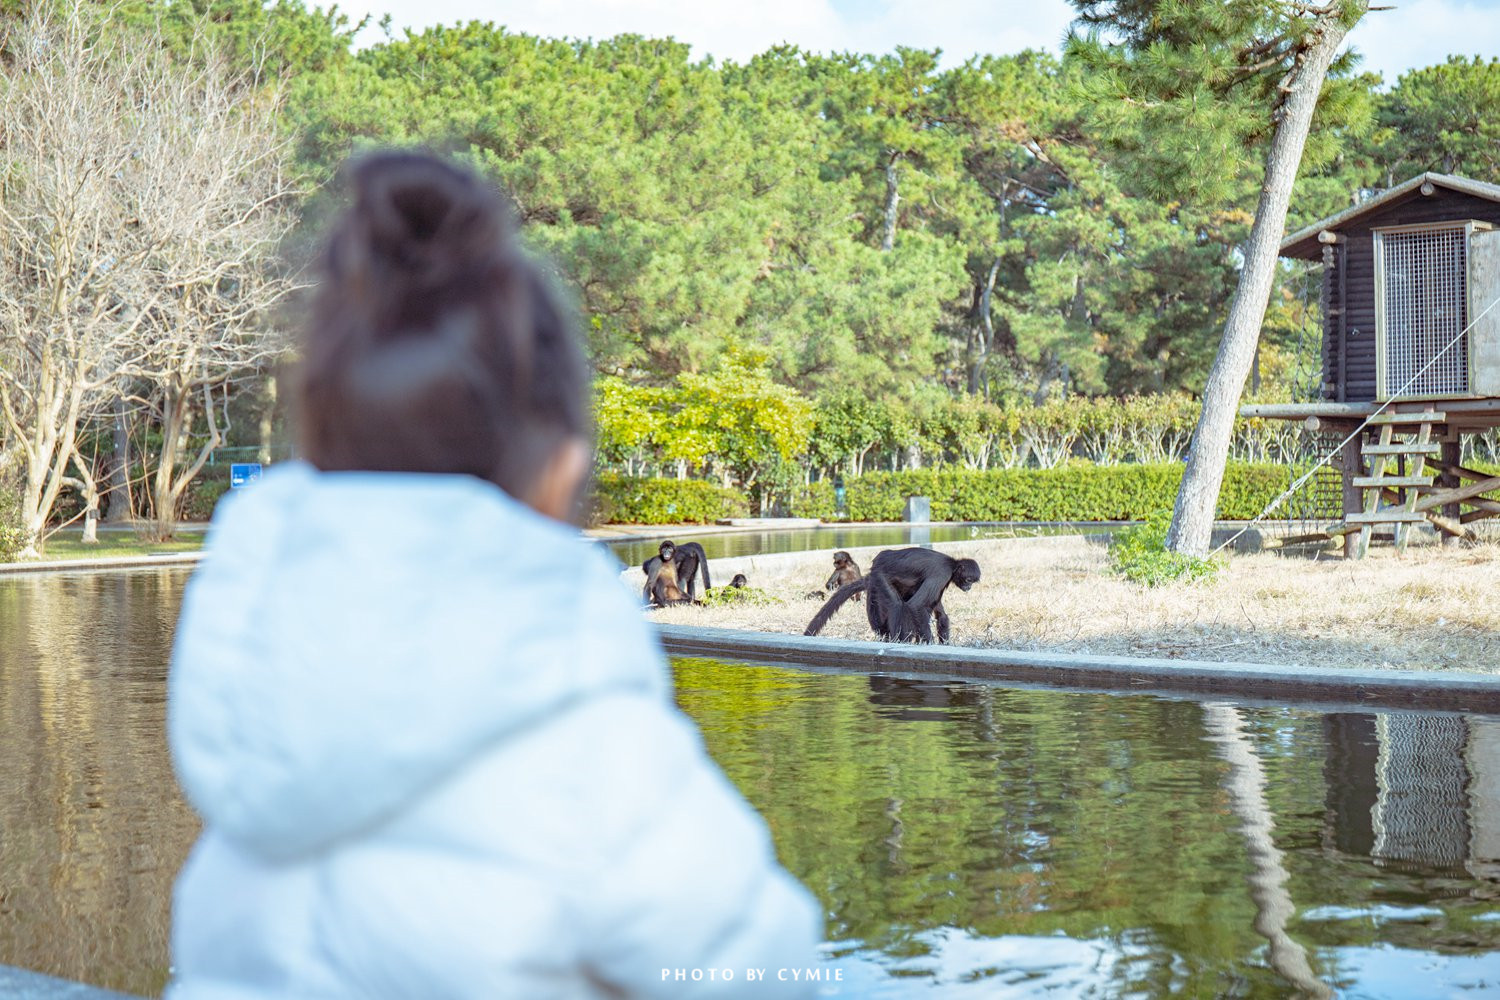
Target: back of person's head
{"points": [[435, 344]]}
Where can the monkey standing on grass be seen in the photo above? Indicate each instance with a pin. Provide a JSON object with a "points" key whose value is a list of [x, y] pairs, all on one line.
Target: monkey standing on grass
{"points": [[905, 588]]}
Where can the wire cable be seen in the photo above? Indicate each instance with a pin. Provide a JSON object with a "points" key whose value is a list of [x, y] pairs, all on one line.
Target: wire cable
{"points": [[1395, 397]]}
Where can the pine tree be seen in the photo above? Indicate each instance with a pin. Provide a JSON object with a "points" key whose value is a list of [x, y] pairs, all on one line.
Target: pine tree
{"points": [[1189, 89]]}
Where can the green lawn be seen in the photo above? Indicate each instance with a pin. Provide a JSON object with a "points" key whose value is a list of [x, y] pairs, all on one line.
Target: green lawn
{"points": [[66, 545]]}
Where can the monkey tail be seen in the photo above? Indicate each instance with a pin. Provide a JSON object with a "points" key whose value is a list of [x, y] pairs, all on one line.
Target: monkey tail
{"points": [[841, 595]]}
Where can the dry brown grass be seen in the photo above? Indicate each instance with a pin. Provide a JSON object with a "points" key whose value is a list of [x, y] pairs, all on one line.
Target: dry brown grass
{"points": [[1430, 608]]}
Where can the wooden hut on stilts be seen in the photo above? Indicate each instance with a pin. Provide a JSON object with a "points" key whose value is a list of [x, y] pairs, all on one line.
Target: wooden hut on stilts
{"points": [[1410, 354]]}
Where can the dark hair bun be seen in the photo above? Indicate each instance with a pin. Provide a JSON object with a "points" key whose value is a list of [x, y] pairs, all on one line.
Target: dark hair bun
{"points": [[435, 345], [420, 234], [424, 218]]}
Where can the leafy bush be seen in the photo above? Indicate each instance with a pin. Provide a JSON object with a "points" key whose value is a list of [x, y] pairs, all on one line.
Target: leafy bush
{"points": [[201, 497], [1076, 491], [1139, 554], [12, 530], [68, 507], [629, 500], [720, 597], [813, 500]]}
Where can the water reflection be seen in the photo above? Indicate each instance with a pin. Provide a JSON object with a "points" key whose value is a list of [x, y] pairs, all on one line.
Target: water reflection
{"points": [[974, 840], [1245, 785], [92, 830], [965, 839]]}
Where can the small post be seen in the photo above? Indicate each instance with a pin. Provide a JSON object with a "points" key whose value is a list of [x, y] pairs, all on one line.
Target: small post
{"points": [[918, 510]]}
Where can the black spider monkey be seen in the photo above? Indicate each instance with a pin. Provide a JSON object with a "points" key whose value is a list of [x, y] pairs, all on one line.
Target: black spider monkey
{"points": [[691, 559], [740, 580], [905, 588], [671, 574]]}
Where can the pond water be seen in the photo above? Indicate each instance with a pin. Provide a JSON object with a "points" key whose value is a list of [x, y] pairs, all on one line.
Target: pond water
{"points": [[721, 545], [966, 839]]}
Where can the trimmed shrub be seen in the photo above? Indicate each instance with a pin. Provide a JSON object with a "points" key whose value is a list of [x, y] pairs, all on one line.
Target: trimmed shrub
{"points": [[201, 497], [628, 500], [814, 500], [1074, 492]]}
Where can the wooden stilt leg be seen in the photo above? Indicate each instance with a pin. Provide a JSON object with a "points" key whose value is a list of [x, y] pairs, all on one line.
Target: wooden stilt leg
{"points": [[1351, 464], [1449, 480]]}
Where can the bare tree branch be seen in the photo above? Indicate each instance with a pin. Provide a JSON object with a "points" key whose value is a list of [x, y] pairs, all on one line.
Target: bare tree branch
{"points": [[141, 211]]}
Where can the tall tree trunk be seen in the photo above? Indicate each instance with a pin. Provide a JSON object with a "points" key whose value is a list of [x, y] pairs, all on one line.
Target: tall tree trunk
{"points": [[172, 477], [88, 485], [978, 377], [1193, 514], [117, 491], [892, 199], [267, 422], [984, 331], [173, 436]]}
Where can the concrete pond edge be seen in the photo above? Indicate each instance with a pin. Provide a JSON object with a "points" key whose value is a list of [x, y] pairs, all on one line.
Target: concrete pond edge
{"points": [[23, 984], [1261, 682], [101, 563]]}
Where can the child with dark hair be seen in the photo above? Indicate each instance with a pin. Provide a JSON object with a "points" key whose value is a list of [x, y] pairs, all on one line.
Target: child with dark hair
{"points": [[431, 739]]}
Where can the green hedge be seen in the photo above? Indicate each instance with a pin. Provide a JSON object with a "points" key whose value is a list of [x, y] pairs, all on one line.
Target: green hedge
{"points": [[1075, 492], [813, 500], [627, 500]]}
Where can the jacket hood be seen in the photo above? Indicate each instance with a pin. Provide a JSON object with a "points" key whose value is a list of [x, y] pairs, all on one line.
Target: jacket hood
{"points": [[353, 638]]}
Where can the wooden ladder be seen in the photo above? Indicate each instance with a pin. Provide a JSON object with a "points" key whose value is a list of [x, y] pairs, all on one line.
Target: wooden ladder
{"points": [[1406, 438]]}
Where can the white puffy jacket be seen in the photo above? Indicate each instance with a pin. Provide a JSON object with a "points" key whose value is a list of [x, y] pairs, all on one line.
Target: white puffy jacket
{"points": [[433, 745]]}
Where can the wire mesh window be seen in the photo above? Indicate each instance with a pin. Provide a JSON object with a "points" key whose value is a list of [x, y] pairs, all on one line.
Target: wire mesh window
{"points": [[1424, 294]]}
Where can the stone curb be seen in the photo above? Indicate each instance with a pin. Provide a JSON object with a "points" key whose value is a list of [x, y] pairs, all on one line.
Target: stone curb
{"points": [[1392, 689], [109, 562]]}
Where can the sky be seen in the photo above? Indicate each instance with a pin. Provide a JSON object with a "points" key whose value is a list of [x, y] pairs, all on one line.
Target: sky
{"points": [[1416, 33]]}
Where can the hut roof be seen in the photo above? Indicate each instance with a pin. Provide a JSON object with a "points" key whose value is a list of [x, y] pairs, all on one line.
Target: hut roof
{"points": [[1304, 242]]}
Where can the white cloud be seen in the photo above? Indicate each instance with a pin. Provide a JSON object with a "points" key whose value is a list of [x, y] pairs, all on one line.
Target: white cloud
{"points": [[1417, 33]]}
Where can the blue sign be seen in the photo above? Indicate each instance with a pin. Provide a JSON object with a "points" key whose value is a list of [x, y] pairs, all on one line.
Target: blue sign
{"points": [[243, 474]]}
